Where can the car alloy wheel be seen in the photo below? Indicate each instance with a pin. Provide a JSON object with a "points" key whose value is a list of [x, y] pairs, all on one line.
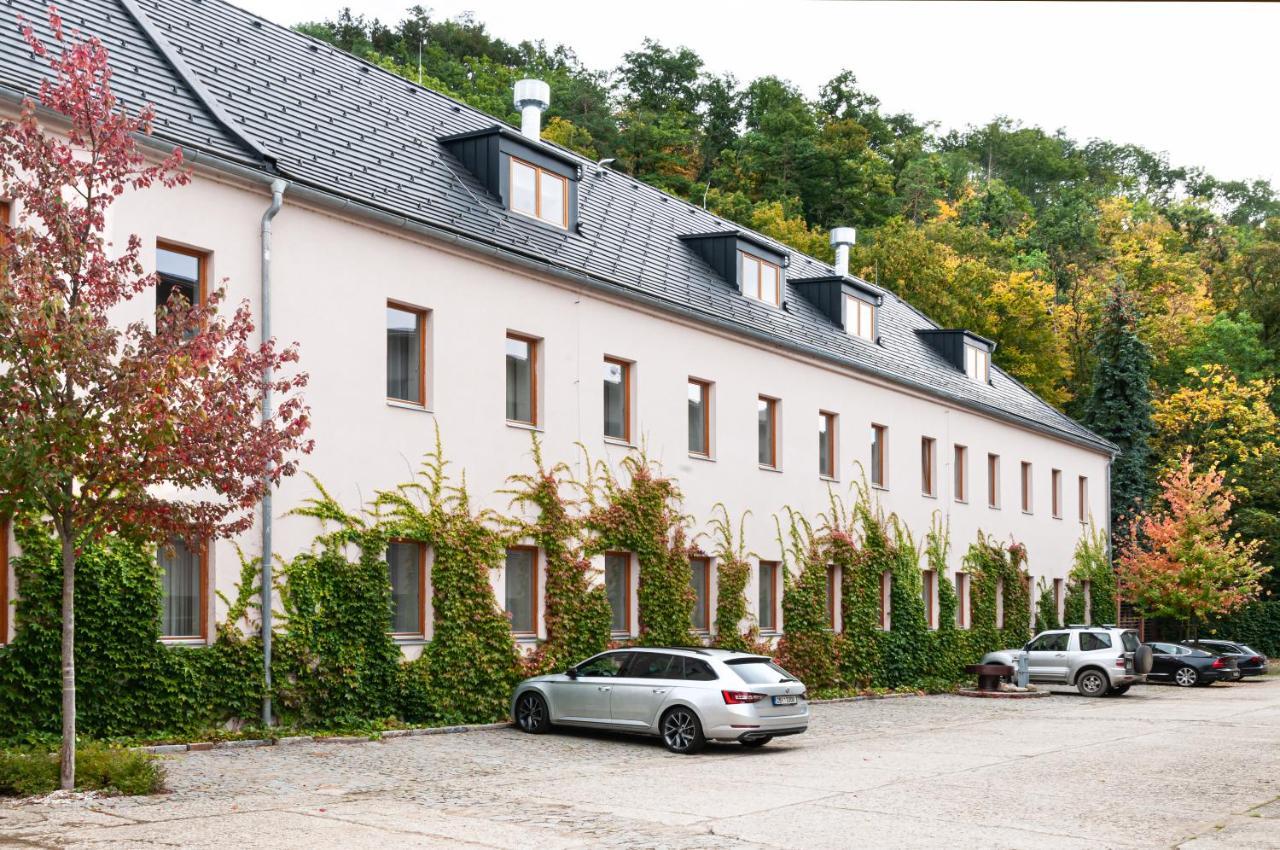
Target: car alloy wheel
{"points": [[531, 713], [681, 731], [1186, 677], [1092, 683]]}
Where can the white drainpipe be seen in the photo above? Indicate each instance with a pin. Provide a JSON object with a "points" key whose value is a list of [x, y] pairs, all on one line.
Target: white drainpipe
{"points": [[277, 200]]}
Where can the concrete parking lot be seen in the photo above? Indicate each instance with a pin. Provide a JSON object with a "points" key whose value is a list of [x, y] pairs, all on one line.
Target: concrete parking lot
{"points": [[1160, 767]]}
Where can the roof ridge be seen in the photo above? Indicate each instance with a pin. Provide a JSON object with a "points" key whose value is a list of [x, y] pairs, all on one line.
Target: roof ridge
{"points": [[196, 85]]}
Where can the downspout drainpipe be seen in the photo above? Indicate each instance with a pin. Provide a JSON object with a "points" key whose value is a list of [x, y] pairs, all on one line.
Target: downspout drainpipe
{"points": [[277, 200]]}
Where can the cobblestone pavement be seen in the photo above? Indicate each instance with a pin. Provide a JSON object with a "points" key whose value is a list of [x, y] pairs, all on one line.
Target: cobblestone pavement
{"points": [[1160, 767]]}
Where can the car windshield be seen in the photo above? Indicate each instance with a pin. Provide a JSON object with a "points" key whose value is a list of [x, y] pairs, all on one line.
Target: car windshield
{"points": [[759, 671], [1130, 641]]}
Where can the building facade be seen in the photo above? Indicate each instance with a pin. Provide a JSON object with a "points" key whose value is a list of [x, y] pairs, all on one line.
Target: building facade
{"points": [[440, 270]]}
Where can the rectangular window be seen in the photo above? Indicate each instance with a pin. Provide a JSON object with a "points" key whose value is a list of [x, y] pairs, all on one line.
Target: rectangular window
{"points": [[993, 481], [539, 194], [182, 271], [407, 567], [927, 452], [761, 279], [522, 589], [700, 577], [768, 596], [1082, 498], [833, 597], [886, 600], [1055, 492], [1057, 599], [699, 418], [962, 600], [182, 581], [879, 474], [406, 353], [928, 578], [859, 318], [522, 379], [827, 444], [1026, 487], [767, 431], [617, 585], [617, 399], [961, 472], [977, 363]]}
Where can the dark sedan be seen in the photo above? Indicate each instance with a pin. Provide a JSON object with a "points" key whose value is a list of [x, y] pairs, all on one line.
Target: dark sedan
{"points": [[1187, 666], [1251, 663]]}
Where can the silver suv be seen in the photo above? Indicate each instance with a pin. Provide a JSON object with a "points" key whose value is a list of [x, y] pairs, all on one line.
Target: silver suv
{"points": [[686, 696], [1098, 660]]}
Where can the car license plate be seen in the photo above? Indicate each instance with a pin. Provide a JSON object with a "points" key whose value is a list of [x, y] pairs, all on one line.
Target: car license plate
{"points": [[789, 699]]}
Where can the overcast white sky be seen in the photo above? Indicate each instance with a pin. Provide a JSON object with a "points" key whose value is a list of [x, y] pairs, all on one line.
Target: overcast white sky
{"points": [[1194, 80]]}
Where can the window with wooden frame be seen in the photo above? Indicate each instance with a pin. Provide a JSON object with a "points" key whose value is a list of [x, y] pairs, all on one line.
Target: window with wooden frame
{"points": [[993, 481], [617, 399], [406, 353], [184, 582], [1057, 599], [833, 597], [539, 194], [407, 570], [617, 587], [827, 444], [859, 317], [929, 596], [522, 379], [761, 279], [4, 551], [886, 600], [521, 589], [1055, 492], [928, 453], [700, 580], [767, 596], [1026, 487], [962, 600], [767, 431], [1082, 498], [960, 470], [879, 469], [181, 271], [699, 418], [977, 363]]}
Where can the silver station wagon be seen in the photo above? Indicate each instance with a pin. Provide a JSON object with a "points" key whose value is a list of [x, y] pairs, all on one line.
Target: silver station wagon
{"points": [[686, 696]]}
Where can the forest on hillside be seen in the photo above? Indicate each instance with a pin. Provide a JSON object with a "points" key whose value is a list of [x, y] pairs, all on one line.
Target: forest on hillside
{"points": [[1140, 296]]}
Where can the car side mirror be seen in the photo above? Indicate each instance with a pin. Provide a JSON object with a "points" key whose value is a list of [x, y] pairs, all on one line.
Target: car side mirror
{"points": [[572, 672]]}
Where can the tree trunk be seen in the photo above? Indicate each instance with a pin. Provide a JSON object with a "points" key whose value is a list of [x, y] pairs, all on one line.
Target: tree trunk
{"points": [[68, 775]]}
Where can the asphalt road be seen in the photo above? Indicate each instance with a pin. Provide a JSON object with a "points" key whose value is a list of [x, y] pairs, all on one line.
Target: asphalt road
{"points": [[1159, 767]]}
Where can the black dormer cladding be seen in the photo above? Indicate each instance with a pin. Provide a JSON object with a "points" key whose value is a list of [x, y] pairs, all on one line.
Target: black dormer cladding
{"points": [[827, 294], [485, 153], [950, 343], [720, 250]]}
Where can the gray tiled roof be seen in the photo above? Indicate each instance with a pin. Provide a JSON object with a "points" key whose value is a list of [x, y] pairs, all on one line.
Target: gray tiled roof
{"points": [[341, 125]]}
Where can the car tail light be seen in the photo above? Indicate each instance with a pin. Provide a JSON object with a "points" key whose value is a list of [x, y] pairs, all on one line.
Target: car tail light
{"points": [[1120, 662], [1218, 663], [739, 697], [1257, 659]]}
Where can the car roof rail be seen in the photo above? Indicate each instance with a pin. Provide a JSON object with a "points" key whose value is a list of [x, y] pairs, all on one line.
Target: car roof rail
{"points": [[701, 650]]}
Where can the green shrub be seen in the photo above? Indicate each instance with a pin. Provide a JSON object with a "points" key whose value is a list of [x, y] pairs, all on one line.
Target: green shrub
{"points": [[33, 771], [1256, 624]]}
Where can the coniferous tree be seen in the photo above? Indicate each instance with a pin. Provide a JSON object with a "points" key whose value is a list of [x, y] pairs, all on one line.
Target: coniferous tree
{"points": [[1119, 407]]}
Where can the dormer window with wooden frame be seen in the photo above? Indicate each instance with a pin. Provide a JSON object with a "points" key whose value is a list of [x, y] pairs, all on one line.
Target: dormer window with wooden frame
{"points": [[964, 350], [746, 262], [977, 363], [533, 180], [860, 317], [761, 279], [538, 193], [853, 305]]}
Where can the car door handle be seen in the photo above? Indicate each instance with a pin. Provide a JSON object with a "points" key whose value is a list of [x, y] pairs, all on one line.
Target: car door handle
{"points": [[604, 689], [659, 690], [1060, 655]]}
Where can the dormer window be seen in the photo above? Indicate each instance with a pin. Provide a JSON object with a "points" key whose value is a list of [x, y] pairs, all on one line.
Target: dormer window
{"points": [[860, 317], [977, 363], [760, 279], [539, 194]]}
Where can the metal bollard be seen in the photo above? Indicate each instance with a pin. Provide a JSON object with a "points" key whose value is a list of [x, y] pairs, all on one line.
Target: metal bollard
{"points": [[1023, 674]]}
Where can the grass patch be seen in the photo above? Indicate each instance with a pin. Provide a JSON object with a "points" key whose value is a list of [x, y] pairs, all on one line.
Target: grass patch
{"points": [[32, 771]]}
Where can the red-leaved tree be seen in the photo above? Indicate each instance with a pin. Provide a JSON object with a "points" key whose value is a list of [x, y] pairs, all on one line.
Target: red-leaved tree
{"points": [[1181, 559], [104, 429]]}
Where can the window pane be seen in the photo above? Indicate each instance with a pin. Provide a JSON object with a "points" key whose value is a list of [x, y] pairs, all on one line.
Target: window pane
{"points": [[615, 400], [961, 474], [824, 444], [617, 585], [698, 569], [180, 583], [520, 592], [524, 187], [866, 320], [764, 429], [404, 565], [769, 284], [767, 599], [404, 355], [552, 192], [177, 265], [750, 277], [877, 454], [520, 379], [926, 466], [698, 442]]}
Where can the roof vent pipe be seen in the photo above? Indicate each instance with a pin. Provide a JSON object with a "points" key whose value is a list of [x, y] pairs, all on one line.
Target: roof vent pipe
{"points": [[842, 239], [532, 97]]}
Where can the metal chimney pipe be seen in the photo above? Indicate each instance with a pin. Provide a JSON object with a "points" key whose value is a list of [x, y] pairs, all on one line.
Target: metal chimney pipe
{"points": [[531, 98], [842, 239]]}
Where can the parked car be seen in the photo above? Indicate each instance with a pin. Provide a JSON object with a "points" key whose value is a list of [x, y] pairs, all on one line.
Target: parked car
{"points": [[1097, 660], [1188, 667], [1250, 662], [686, 696]]}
